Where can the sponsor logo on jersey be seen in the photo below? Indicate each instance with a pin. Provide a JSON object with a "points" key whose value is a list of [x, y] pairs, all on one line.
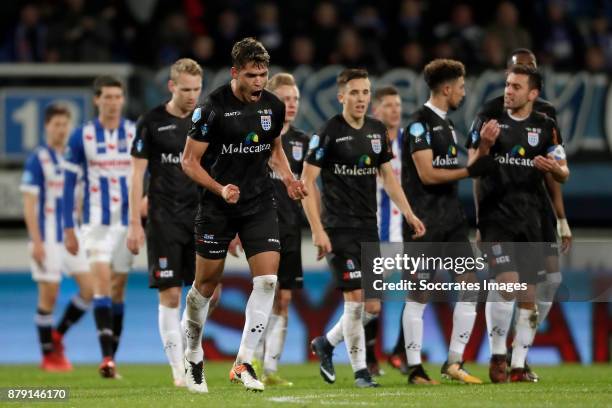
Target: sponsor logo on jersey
{"points": [[265, 111], [351, 275], [139, 145], [169, 158], [266, 122], [437, 128], [251, 138], [167, 127], [250, 145], [376, 145], [449, 160], [533, 138], [319, 153], [232, 114], [364, 161], [163, 262], [350, 265], [197, 114], [344, 139], [165, 273], [516, 157], [297, 151]]}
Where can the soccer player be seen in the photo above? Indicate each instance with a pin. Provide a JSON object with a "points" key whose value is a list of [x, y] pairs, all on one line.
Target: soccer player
{"points": [[430, 171], [100, 149], [553, 214], [386, 107], [172, 204], [234, 137], [290, 274], [527, 145], [348, 152], [41, 185]]}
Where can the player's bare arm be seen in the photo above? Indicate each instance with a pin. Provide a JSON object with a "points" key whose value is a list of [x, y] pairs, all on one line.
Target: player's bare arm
{"points": [[135, 234], [312, 208]]}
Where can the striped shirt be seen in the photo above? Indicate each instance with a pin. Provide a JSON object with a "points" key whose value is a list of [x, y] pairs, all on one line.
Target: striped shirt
{"points": [[390, 218], [104, 157]]}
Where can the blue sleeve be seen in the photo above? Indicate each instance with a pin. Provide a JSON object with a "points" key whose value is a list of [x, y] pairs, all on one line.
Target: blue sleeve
{"points": [[70, 180], [33, 179], [75, 151]]}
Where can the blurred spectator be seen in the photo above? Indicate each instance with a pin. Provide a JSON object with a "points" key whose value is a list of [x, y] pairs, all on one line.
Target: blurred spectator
{"points": [[351, 53], [594, 60], [600, 35], [302, 51], [444, 49], [561, 43], [227, 32], [462, 34], [79, 35], [267, 28], [493, 54], [203, 50], [174, 39], [30, 37], [325, 31], [413, 56], [408, 27], [507, 29]]}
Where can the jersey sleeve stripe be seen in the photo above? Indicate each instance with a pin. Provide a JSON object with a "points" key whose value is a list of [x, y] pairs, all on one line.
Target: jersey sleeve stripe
{"points": [[100, 139], [385, 212], [29, 188], [58, 220], [71, 167]]}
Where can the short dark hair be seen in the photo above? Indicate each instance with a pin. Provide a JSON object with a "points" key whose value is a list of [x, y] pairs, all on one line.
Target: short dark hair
{"points": [[104, 81], [348, 74], [519, 51], [56, 109], [441, 70], [249, 50], [381, 92], [535, 78]]}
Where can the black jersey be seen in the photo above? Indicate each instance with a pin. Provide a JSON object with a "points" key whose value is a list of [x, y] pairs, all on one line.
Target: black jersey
{"points": [[436, 204], [349, 159], [295, 145], [240, 137], [511, 196], [160, 138]]}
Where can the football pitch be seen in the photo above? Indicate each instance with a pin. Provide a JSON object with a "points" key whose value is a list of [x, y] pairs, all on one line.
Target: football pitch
{"points": [[150, 386]]}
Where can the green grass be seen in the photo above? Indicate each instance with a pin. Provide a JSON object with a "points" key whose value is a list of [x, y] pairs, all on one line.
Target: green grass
{"points": [[151, 386]]}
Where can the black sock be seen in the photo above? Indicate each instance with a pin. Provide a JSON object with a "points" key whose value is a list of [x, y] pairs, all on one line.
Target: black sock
{"points": [[74, 311], [371, 330], [399, 345], [44, 324], [104, 321], [117, 325]]}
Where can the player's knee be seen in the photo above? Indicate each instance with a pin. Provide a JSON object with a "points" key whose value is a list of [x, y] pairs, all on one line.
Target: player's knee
{"points": [[265, 283], [372, 308]]}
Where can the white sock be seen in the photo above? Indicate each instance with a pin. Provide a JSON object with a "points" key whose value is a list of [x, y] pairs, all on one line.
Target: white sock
{"points": [[525, 331], [412, 322], [464, 317], [259, 352], [257, 312], [172, 340], [367, 317], [275, 342], [498, 313], [335, 335], [546, 294], [196, 310], [354, 335]]}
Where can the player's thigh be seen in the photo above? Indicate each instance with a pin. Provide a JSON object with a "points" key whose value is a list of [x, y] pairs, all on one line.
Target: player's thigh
{"points": [[290, 272], [165, 254], [98, 243], [345, 259], [259, 234], [213, 233], [122, 258], [51, 268]]}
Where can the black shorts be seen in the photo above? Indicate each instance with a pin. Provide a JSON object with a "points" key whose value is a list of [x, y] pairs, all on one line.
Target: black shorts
{"points": [[440, 241], [170, 253], [514, 251], [257, 232], [345, 258], [290, 273], [549, 231]]}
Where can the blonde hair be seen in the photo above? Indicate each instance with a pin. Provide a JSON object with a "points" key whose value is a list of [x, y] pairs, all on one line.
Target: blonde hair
{"points": [[279, 80], [185, 66]]}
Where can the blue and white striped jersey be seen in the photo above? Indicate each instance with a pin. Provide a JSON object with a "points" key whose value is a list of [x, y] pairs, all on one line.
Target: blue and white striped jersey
{"points": [[104, 157], [44, 176], [390, 218]]}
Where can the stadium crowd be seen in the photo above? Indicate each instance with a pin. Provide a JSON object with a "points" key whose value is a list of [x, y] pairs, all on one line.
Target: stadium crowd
{"points": [[566, 34]]}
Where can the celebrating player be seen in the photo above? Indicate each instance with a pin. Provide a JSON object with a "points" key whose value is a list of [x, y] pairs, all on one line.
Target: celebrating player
{"points": [[42, 187], [348, 152], [101, 150], [430, 171], [172, 203], [234, 137], [294, 143], [553, 214], [527, 146]]}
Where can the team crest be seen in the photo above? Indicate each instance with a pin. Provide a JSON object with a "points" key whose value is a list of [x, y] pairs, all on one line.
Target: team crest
{"points": [[376, 145], [533, 138], [266, 122], [350, 265], [297, 151], [163, 263]]}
